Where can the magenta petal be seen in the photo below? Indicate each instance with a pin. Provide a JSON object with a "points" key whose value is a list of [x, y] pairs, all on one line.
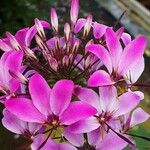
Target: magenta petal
{"points": [[24, 109], [138, 116], [14, 64], [127, 102], [112, 142], [128, 58], [114, 46], [102, 54], [99, 30], [4, 46], [100, 78], [75, 139], [84, 126], [79, 25], [89, 96], [126, 38], [12, 123], [66, 146], [40, 93], [61, 96], [77, 111]]}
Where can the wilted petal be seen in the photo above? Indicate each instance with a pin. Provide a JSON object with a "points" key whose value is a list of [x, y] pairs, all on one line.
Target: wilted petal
{"points": [[112, 142], [40, 93], [127, 102], [114, 46], [25, 110], [84, 126], [75, 112], [102, 54], [100, 78], [75, 139], [61, 96], [99, 30], [128, 58], [74, 10], [12, 123], [138, 116]]}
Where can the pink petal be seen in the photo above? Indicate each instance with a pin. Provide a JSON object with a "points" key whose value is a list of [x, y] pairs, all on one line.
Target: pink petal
{"points": [[65, 146], [83, 126], [127, 102], [119, 32], [74, 10], [112, 142], [102, 54], [24, 109], [138, 116], [89, 96], [114, 46], [108, 98], [4, 46], [40, 93], [75, 112], [126, 38], [135, 72], [75, 139], [61, 96], [100, 78], [99, 30], [128, 58], [12, 123], [14, 64], [79, 25]]}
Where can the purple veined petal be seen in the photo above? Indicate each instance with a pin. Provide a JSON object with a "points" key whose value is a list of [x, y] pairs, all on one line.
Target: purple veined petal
{"points": [[4, 46], [12, 123], [61, 95], [128, 58], [119, 32], [100, 78], [20, 36], [89, 96], [77, 111], [79, 25], [75, 139], [39, 139], [83, 126], [108, 98], [74, 11], [102, 54], [135, 72], [99, 30], [24, 109], [94, 137], [114, 47], [40, 93], [127, 102], [14, 64], [138, 116], [126, 38], [112, 142]]}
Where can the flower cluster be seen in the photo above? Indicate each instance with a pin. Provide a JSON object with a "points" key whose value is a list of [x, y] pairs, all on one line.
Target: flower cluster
{"points": [[72, 91]]}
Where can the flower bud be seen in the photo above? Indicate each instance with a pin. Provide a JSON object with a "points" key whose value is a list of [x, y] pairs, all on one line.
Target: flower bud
{"points": [[67, 31], [74, 11], [54, 19]]}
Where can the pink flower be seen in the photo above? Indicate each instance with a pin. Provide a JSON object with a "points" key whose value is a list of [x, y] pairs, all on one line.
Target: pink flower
{"points": [[10, 76], [117, 61]]}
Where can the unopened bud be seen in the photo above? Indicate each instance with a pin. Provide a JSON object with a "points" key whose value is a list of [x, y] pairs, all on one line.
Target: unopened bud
{"points": [[53, 63], [54, 19], [40, 29], [67, 31], [75, 46], [30, 53], [65, 60]]}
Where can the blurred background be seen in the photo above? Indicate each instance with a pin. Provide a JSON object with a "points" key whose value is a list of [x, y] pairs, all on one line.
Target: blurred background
{"points": [[16, 14]]}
